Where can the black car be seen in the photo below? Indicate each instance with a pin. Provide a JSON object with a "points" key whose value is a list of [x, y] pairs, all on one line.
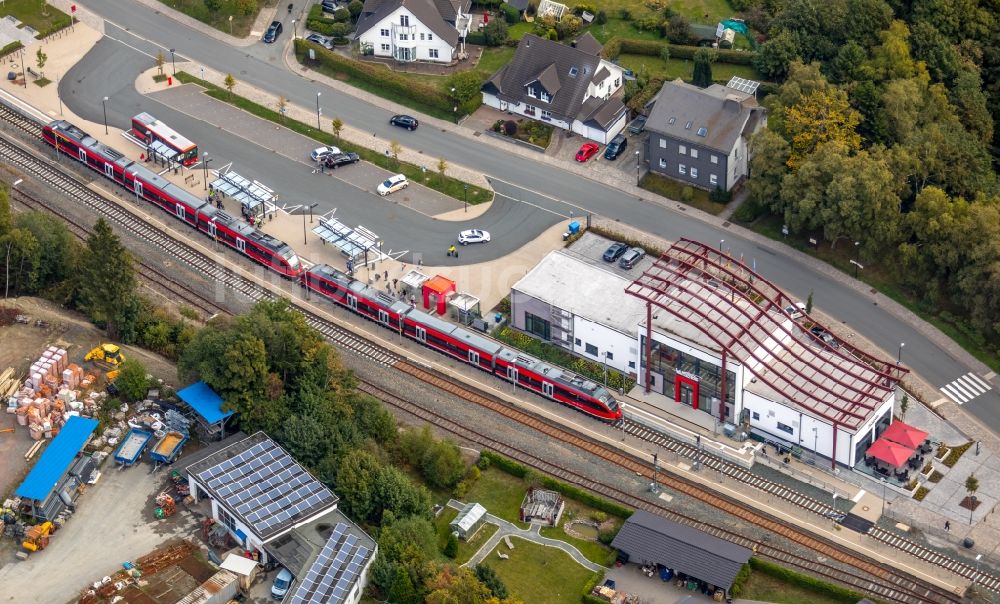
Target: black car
{"points": [[638, 124], [341, 159], [404, 121], [615, 251], [616, 147], [272, 32]]}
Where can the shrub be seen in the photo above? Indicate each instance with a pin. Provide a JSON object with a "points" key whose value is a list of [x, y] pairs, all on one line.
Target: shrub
{"points": [[510, 127], [341, 15], [606, 536], [213, 5], [460, 490], [749, 211], [740, 581], [477, 38], [579, 9], [624, 14], [340, 30], [355, 7], [488, 577], [12, 47], [495, 32], [510, 14], [601, 17], [598, 517], [651, 23], [451, 547], [720, 196], [483, 463], [568, 26], [474, 474], [809, 583]]}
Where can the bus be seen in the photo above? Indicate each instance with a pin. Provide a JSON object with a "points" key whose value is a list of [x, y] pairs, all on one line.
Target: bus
{"points": [[163, 140]]}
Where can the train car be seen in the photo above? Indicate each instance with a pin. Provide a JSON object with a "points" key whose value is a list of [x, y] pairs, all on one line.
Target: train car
{"points": [[455, 341], [153, 133], [182, 204]]}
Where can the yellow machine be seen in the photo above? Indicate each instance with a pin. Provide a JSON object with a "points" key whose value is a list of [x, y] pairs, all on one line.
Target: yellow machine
{"points": [[37, 537], [108, 355]]}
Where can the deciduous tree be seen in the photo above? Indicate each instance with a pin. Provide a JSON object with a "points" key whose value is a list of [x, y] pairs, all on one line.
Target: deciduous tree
{"points": [[820, 117], [337, 124], [229, 82], [774, 56], [132, 381]]}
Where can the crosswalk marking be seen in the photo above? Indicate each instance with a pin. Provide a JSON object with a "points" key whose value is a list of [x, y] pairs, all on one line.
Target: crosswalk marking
{"points": [[966, 388]]}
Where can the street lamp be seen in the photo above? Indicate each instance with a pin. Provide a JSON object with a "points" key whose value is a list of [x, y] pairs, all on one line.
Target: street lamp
{"points": [[24, 70], [230, 25], [466, 187], [883, 496], [304, 240], [622, 407], [815, 439], [978, 558], [721, 241], [605, 368], [637, 167], [293, 29], [204, 164], [173, 61], [318, 126], [899, 355], [104, 105], [857, 258]]}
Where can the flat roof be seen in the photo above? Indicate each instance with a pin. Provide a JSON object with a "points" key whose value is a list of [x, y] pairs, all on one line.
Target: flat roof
{"points": [[571, 282], [723, 302], [262, 485], [204, 401], [57, 458]]}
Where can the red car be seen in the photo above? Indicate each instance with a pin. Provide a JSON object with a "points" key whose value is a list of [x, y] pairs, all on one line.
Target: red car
{"points": [[587, 150]]}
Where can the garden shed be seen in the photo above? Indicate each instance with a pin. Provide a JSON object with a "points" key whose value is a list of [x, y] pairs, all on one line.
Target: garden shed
{"points": [[468, 521]]}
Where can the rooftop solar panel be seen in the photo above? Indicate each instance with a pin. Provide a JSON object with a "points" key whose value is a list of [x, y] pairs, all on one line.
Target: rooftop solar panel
{"points": [[747, 86]]}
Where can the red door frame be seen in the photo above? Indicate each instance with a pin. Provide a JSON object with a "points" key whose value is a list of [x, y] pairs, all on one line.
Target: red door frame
{"points": [[678, 380]]}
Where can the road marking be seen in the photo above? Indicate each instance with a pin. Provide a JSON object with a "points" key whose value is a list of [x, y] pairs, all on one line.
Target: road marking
{"points": [[965, 388], [138, 37], [583, 210], [858, 497]]}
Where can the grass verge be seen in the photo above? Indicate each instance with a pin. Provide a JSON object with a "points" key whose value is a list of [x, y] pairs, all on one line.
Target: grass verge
{"points": [[686, 194], [536, 574], [220, 19], [886, 279], [42, 82], [448, 185]]}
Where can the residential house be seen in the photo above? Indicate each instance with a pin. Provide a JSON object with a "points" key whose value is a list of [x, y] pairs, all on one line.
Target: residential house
{"points": [[568, 86], [699, 136], [414, 30]]}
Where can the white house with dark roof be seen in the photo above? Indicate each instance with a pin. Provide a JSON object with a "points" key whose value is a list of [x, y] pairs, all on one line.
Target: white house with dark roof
{"points": [[700, 136], [414, 30], [568, 86]]}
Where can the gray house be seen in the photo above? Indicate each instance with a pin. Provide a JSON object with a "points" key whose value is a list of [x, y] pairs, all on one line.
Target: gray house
{"points": [[699, 136]]}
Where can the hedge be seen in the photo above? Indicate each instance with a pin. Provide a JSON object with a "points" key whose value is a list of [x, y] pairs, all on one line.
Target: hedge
{"points": [[617, 46], [599, 503], [476, 37], [806, 581], [588, 598], [12, 47]]}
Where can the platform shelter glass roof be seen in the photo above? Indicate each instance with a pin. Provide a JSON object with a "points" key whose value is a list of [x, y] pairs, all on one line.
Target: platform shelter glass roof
{"points": [[352, 242], [56, 458]]}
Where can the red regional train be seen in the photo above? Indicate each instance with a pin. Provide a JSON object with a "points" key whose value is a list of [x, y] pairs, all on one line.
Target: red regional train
{"points": [[547, 380], [191, 209]]}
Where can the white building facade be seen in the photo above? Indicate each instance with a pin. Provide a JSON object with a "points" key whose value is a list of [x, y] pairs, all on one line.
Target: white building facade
{"points": [[414, 30]]}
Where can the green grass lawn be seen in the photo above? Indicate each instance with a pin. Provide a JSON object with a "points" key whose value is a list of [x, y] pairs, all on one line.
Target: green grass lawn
{"points": [[536, 574], [239, 26], [465, 548], [674, 190], [684, 69], [765, 588], [595, 551], [704, 11], [500, 493], [29, 12]]}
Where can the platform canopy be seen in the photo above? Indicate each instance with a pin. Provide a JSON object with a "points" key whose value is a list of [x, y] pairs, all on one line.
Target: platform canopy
{"points": [[57, 458], [904, 434], [205, 402], [891, 453]]}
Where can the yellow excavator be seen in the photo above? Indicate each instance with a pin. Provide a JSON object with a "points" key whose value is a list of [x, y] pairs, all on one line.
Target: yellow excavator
{"points": [[36, 538], [106, 355]]}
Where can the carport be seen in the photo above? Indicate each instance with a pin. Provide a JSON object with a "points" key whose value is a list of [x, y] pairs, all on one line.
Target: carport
{"points": [[54, 483], [207, 406], [650, 539]]}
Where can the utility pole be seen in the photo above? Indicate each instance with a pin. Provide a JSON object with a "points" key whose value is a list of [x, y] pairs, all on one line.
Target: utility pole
{"points": [[655, 487]]}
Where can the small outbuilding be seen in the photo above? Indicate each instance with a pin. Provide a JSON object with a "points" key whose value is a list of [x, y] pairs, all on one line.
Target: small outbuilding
{"points": [[542, 507], [469, 520], [207, 406], [54, 483], [436, 292]]}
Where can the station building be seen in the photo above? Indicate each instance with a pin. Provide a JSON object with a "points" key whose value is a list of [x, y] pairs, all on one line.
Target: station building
{"points": [[701, 329]]}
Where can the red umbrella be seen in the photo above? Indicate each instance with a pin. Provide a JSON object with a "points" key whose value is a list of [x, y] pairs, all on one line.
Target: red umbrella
{"points": [[904, 434], [891, 453], [486, 18]]}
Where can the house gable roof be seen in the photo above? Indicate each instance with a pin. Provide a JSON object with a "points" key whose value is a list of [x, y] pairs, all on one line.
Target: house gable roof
{"points": [[549, 63], [588, 44], [437, 15], [713, 117]]}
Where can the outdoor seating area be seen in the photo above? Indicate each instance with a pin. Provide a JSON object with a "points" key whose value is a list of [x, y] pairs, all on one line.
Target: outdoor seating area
{"points": [[898, 453]]}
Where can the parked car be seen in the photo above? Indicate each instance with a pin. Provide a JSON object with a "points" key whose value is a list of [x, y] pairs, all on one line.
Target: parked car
{"points": [[322, 152], [321, 40], [638, 124], [796, 311], [587, 150], [329, 6], [824, 336], [404, 121], [281, 584], [632, 257], [272, 32], [393, 184], [615, 251], [616, 147], [341, 159], [473, 236]]}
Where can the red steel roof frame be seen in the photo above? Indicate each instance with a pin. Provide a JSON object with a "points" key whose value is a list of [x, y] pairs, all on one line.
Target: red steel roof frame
{"points": [[685, 256]]}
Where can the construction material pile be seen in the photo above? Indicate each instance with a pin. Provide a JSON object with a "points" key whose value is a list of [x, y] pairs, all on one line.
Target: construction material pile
{"points": [[53, 391]]}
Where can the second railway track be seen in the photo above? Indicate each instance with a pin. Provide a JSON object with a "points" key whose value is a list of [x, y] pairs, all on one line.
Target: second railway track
{"points": [[885, 582]]}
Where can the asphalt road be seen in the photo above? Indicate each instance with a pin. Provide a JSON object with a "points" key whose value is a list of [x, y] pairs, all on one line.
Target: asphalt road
{"points": [[261, 66]]}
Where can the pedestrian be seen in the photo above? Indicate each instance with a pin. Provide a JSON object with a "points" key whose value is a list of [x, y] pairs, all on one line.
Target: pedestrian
{"points": [[395, 282], [947, 525], [386, 275]]}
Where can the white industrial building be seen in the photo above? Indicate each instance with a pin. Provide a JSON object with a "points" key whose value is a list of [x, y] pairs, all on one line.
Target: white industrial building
{"points": [[700, 328], [277, 510]]}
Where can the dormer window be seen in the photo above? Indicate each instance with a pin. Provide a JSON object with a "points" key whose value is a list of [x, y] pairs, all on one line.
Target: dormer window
{"points": [[546, 97], [532, 92]]}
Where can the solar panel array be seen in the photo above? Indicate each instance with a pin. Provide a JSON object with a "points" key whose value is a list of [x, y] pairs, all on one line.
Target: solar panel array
{"points": [[335, 570], [747, 86], [266, 487]]}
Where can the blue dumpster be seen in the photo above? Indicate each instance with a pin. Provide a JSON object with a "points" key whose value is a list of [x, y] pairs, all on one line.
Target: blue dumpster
{"points": [[574, 228]]}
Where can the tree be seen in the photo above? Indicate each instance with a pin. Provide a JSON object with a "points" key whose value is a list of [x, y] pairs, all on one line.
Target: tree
{"points": [[442, 165], [451, 546], [305, 438], [356, 473], [395, 492], [229, 83], [402, 591], [106, 280], [665, 54], [40, 59], [677, 29], [809, 303], [491, 580], [774, 56], [495, 32], [463, 86], [395, 148], [160, 61], [21, 256], [442, 465], [850, 64], [133, 382], [337, 124], [970, 104], [703, 58], [904, 405], [456, 585], [355, 7], [282, 107], [971, 486], [769, 154], [6, 216], [58, 251], [820, 117]]}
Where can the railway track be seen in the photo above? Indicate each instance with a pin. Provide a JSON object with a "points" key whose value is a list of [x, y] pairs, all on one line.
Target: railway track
{"points": [[870, 580], [892, 580]]}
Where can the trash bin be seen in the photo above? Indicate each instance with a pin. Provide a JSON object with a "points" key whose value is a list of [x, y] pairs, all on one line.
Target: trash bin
{"points": [[574, 227]]}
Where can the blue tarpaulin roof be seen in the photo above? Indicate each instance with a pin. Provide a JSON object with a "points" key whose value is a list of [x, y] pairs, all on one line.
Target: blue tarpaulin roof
{"points": [[205, 402], [57, 458]]}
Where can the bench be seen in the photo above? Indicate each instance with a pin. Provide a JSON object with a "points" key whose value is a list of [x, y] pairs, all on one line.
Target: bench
{"points": [[32, 72]]}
